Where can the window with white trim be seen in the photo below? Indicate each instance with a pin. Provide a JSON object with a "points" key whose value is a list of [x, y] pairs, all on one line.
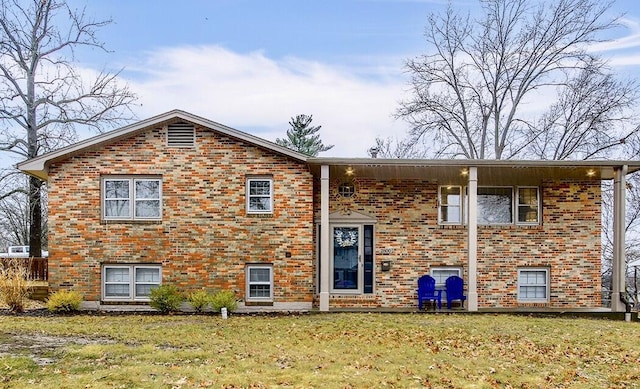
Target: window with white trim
{"points": [[259, 195], [440, 274], [450, 204], [129, 282], [259, 283], [495, 205], [533, 285], [128, 198], [528, 205]]}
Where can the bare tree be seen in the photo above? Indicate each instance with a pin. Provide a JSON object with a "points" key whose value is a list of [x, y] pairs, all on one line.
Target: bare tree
{"points": [[14, 212], [43, 95], [588, 120], [473, 94], [399, 148]]}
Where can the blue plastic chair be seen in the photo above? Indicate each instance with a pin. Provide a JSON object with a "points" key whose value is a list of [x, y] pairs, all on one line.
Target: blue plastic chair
{"points": [[427, 291], [455, 290]]}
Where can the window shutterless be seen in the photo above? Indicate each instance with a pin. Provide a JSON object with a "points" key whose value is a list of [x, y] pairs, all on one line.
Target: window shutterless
{"points": [[259, 195], [450, 205], [495, 205], [259, 282], [528, 205], [131, 198], [533, 285], [129, 282]]}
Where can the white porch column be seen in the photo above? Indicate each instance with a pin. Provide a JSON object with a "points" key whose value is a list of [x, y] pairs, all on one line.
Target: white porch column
{"points": [[324, 238], [472, 239], [618, 262]]}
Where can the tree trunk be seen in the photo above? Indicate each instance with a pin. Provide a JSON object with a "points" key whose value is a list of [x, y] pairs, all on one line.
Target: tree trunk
{"points": [[35, 217]]}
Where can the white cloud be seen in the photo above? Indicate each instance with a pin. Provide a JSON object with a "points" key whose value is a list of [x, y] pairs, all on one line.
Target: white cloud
{"points": [[629, 41], [257, 94]]}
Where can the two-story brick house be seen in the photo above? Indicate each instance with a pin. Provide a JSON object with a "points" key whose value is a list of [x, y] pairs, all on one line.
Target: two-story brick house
{"points": [[183, 200]]}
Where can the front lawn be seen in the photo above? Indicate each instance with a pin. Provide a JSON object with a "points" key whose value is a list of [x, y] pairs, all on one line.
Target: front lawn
{"points": [[336, 350]]}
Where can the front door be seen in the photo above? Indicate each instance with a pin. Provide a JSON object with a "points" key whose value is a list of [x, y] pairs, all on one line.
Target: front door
{"points": [[346, 259]]}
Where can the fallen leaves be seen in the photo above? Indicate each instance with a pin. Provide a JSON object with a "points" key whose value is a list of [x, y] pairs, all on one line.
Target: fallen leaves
{"points": [[333, 350]]}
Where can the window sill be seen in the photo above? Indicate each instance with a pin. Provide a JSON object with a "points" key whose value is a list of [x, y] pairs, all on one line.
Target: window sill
{"points": [[491, 226], [533, 304], [258, 303], [124, 302], [359, 296], [128, 221]]}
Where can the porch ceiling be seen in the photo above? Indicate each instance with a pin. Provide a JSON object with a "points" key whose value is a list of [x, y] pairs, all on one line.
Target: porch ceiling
{"points": [[452, 171]]}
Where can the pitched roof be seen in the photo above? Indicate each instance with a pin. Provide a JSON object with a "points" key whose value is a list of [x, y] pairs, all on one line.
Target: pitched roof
{"points": [[506, 170], [39, 166]]}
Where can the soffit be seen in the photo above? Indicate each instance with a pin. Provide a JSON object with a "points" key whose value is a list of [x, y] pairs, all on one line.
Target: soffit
{"points": [[451, 172]]}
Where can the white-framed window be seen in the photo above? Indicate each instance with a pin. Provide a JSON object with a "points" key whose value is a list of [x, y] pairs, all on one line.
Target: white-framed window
{"points": [[497, 205], [528, 205], [440, 274], [181, 135], [450, 205], [259, 195], [259, 282], [533, 285], [129, 198], [129, 282]]}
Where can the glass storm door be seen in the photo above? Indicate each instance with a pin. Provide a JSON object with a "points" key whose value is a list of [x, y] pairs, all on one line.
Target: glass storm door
{"points": [[346, 259]]}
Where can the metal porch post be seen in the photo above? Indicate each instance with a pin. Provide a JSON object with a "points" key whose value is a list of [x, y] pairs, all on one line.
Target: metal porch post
{"points": [[324, 238], [472, 239], [618, 262]]}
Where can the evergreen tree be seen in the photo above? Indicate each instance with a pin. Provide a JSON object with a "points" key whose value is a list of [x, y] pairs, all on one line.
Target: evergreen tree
{"points": [[303, 137]]}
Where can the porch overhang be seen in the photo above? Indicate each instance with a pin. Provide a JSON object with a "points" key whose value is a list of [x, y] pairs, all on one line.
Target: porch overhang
{"points": [[454, 171], [474, 173]]}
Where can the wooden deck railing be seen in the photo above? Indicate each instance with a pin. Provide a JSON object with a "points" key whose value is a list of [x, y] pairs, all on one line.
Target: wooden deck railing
{"points": [[38, 267]]}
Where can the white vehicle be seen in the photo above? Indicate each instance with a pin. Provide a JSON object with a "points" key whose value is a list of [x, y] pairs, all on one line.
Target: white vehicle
{"points": [[19, 252]]}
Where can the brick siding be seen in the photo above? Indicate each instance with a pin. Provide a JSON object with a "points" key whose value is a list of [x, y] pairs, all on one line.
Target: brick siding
{"points": [[567, 242], [205, 237]]}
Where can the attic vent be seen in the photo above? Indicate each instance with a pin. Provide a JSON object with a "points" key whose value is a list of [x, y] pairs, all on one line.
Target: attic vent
{"points": [[181, 135]]}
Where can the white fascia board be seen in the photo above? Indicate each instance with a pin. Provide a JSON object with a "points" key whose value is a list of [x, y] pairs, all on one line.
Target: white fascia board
{"points": [[39, 166]]}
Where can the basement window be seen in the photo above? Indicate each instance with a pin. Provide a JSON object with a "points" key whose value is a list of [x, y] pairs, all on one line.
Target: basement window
{"points": [[533, 285], [129, 282], [259, 282]]}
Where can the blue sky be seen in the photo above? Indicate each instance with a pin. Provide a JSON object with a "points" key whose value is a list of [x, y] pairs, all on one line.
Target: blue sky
{"points": [[253, 64]]}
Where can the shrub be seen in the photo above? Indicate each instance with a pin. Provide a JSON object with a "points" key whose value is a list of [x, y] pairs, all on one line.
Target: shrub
{"points": [[199, 300], [14, 283], [166, 298], [224, 298], [64, 301]]}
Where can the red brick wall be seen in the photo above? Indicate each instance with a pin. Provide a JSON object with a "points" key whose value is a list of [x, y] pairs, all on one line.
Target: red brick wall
{"points": [[407, 233], [205, 238]]}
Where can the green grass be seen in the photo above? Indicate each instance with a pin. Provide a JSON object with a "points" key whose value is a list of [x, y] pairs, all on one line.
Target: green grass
{"points": [[320, 351]]}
